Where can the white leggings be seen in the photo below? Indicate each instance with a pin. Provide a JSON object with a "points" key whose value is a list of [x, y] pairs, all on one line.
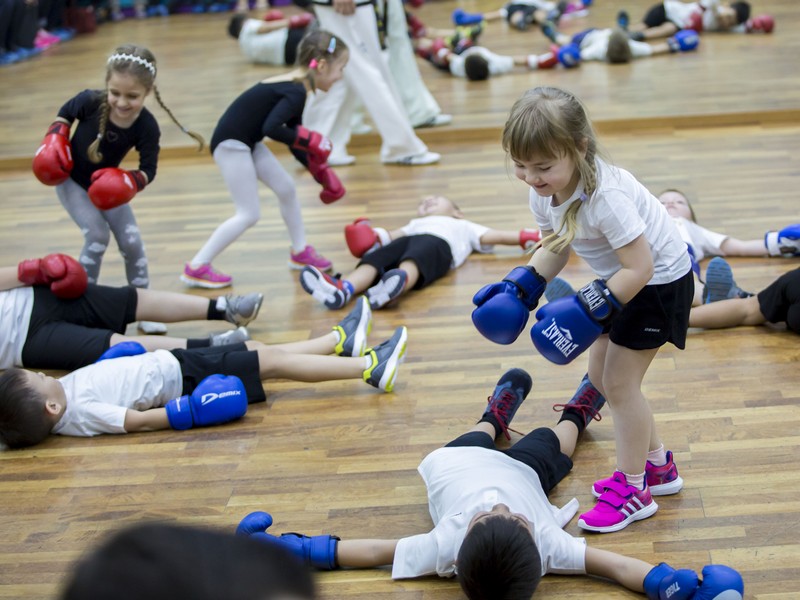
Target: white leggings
{"points": [[97, 226], [242, 169]]}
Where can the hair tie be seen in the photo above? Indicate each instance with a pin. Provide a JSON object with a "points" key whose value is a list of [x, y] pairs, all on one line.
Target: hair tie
{"points": [[133, 58], [332, 45], [583, 197], [313, 64]]}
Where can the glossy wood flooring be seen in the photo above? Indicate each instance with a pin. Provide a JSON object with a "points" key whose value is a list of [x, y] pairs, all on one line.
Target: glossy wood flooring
{"points": [[341, 457]]}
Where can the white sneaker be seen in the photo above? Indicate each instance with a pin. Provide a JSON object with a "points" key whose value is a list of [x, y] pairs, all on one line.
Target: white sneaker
{"points": [[152, 327], [342, 160], [426, 158], [437, 121]]}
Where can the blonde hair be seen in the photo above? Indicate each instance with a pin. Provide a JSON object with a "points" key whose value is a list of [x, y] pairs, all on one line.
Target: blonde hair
{"points": [[140, 63], [552, 123], [619, 48], [316, 45]]}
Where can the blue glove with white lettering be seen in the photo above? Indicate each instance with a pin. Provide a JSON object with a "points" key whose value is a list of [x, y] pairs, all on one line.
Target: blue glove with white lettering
{"points": [[217, 399]]}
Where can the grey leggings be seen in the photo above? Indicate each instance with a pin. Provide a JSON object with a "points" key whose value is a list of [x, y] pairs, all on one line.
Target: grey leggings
{"points": [[96, 226]]}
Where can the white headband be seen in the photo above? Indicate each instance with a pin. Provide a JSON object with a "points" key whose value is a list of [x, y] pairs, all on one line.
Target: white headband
{"points": [[137, 59]]}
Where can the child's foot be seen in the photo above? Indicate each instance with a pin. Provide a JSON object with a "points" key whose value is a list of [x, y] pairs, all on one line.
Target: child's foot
{"points": [[618, 506], [662, 481], [309, 257], [353, 330], [623, 20], [205, 276], [386, 358], [558, 288], [324, 288], [387, 289], [511, 390], [240, 310], [720, 284], [586, 403], [461, 17], [550, 31], [234, 336], [152, 327]]}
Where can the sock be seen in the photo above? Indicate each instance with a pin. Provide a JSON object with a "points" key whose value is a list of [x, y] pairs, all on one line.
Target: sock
{"points": [[658, 457], [348, 287], [636, 481], [367, 360], [198, 343], [574, 417], [216, 309], [492, 420]]}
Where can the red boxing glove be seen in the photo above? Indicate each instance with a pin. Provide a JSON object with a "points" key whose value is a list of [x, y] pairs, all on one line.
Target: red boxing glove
{"points": [[52, 162], [763, 23], [696, 22], [66, 276], [316, 145], [332, 188], [528, 238], [300, 21], [274, 15], [113, 187]]}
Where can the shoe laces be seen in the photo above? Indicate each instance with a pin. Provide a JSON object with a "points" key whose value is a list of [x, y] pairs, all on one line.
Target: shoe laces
{"points": [[583, 405], [500, 406]]}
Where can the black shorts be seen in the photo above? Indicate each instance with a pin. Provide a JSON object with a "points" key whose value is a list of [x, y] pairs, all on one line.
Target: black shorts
{"points": [[293, 38], [430, 253], [69, 334], [540, 450], [656, 315], [780, 301], [656, 16], [233, 359]]}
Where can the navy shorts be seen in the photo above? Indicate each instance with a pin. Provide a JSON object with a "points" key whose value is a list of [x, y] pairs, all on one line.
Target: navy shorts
{"points": [[540, 450], [233, 359], [656, 315], [780, 301], [69, 334], [430, 253], [656, 16]]}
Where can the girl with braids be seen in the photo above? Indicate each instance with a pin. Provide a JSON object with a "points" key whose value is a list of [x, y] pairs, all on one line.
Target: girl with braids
{"points": [[110, 123], [273, 108], [640, 301]]}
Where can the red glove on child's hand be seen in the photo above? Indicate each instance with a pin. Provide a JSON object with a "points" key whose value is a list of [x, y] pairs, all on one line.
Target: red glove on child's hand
{"points": [[66, 276]]}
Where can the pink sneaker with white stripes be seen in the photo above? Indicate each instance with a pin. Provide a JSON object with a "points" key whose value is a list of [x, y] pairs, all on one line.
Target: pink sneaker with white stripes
{"points": [[662, 481], [205, 276], [618, 506], [309, 258]]}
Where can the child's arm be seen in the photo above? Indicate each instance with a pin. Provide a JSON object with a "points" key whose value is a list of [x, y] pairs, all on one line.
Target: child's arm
{"points": [[546, 262], [637, 269], [364, 554], [152, 419], [8, 278], [523, 237], [628, 572]]}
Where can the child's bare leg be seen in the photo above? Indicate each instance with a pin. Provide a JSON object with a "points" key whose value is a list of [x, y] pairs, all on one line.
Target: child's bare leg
{"points": [[697, 300], [170, 307], [361, 278], [660, 31], [493, 15], [278, 364], [727, 313], [412, 270], [320, 346], [150, 342]]}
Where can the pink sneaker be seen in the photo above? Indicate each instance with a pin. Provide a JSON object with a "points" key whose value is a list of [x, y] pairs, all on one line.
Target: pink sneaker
{"points": [[309, 258], [45, 39], [619, 505], [205, 276], [662, 481]]}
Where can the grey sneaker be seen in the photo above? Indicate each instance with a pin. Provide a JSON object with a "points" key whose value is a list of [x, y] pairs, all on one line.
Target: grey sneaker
{"points": [[234, 336], [511, 390], [720, 284], [324, 288], [353, 330], [390, 286], [240, 310], [386, 358]]}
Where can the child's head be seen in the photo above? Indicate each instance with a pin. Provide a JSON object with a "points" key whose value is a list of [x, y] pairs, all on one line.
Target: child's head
{"points": [[130, 77], [677, 204], [734, 14], [325, 56], [550, 139], [438, 205], [498, 559], [29, 407], [619, 48], [235, 25], [476, 67]]}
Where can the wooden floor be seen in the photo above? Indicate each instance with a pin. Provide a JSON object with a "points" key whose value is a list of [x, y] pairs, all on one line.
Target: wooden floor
{"points": [[340, 457]]}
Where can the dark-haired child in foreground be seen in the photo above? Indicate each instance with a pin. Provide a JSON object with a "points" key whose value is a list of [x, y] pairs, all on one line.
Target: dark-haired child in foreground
{"points": [[494, 527]]}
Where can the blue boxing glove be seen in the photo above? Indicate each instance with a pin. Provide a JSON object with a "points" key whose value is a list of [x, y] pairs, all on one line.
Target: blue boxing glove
{"points": [[503, 308], [217, 399], [129, 348], [720, 583], [568, 326], [318, 551], [685, 40], [569, 55], [785, 242], [665, 583]]}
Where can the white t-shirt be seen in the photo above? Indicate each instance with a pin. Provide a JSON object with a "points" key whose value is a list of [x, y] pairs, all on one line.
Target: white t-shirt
{"points": [[681, 13], [594, 46], [620, 210], [463, 237], [498, 64], [463, 481], [99, 395], [15, 317], [704, 242], [268, 48]]}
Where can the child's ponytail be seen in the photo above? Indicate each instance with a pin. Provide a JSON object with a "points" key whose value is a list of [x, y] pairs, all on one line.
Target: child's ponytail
{"points": [[195, 136]]}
